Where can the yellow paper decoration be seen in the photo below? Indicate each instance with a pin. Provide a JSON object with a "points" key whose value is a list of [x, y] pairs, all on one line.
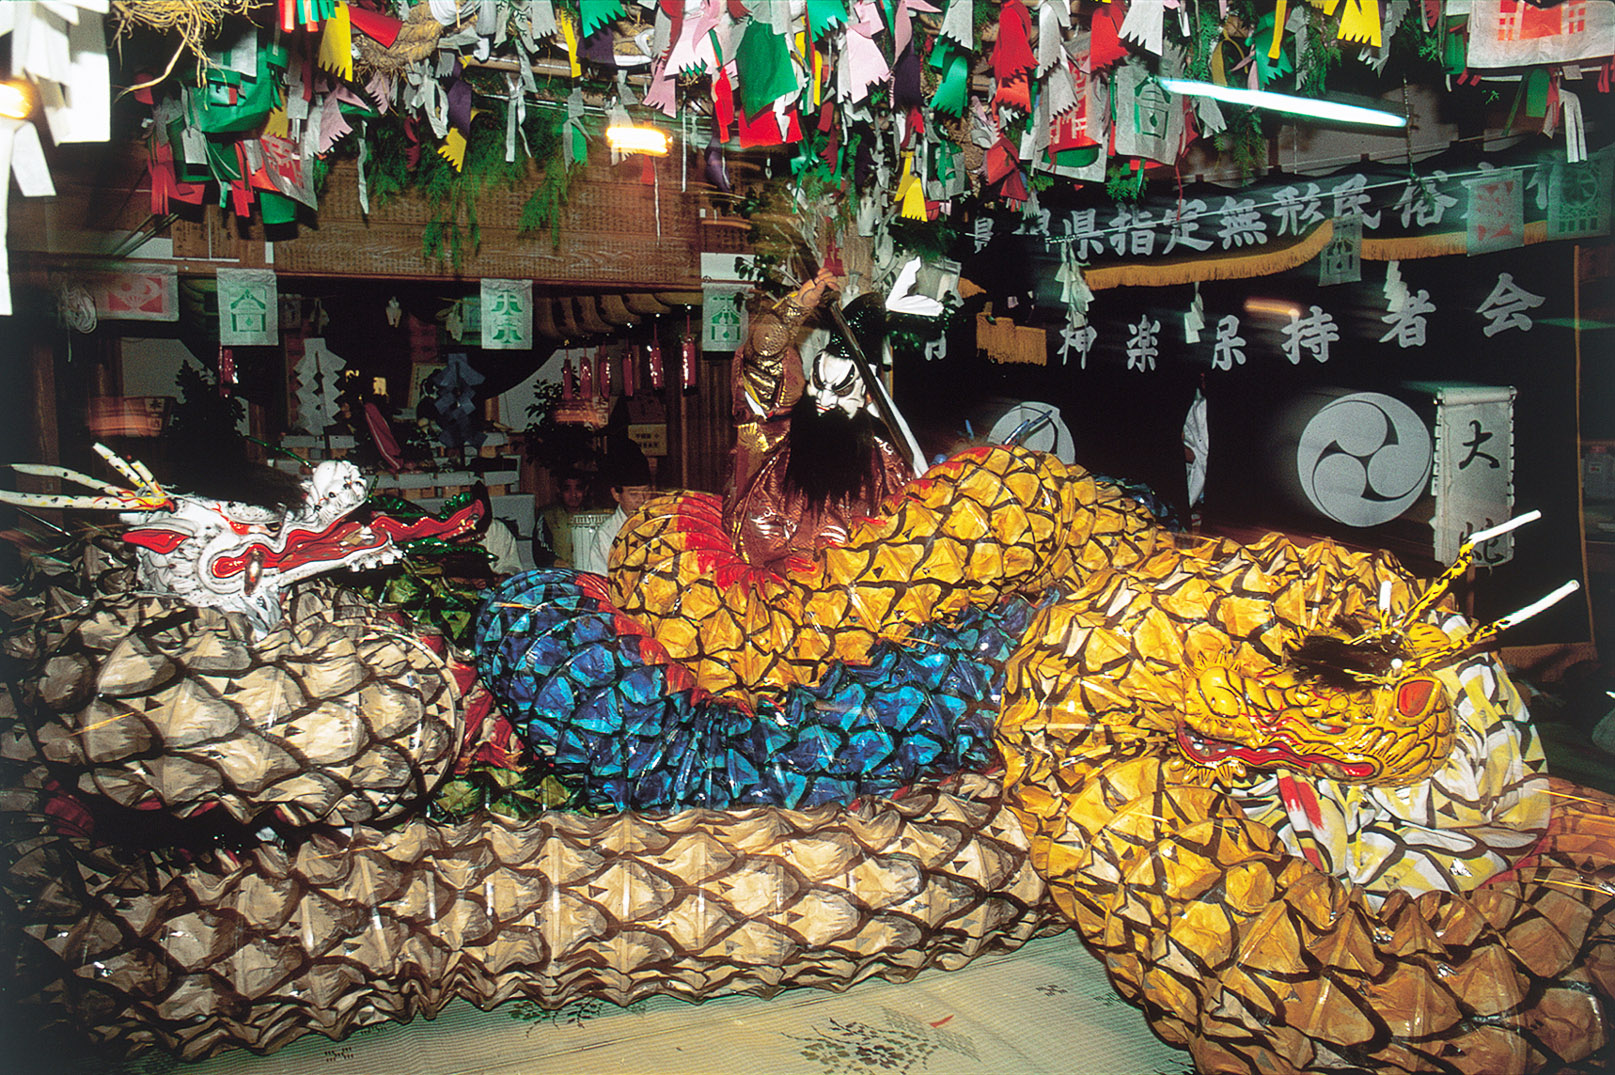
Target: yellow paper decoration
{"points": [[1360, 22], [569, 33], [336, 44], [914, 200], [453, 148], [818, 70], [1279, 15], [277, 124], [905, 180]]}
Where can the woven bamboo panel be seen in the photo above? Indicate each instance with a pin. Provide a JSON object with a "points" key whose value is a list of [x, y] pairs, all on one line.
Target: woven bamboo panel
{"points": [[613, 229], [221, 238]]}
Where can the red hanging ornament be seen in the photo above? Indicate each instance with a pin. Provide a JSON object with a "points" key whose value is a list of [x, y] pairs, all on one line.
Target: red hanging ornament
{"points": [[687, 362], [630, 371], [832, 258], [602, 366], [654, 358], [227, 371], [569, 380], [585, 376]]}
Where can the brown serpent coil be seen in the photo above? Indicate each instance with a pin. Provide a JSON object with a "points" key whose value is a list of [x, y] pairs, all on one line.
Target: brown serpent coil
{"points": [[347, 930]]}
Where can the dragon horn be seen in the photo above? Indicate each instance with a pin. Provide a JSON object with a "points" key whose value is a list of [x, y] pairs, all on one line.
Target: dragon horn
{"points": [[1480, 636], [43, 471], [1462, 563], [132, 469], [145, 494], [56, 500]]}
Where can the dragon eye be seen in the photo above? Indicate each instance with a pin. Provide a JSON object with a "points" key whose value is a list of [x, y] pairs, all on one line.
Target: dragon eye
{"points": [[1413, 697]]}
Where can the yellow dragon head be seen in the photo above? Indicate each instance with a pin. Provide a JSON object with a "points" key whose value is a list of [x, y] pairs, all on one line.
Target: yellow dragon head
{"points": [[1366, 706]]}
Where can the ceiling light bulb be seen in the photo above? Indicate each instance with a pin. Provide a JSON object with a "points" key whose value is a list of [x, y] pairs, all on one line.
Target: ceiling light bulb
{"points": [[633, 139], [16, 99]]}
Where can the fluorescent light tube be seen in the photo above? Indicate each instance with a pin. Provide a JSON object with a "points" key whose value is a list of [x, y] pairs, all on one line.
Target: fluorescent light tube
{"points": [[1314, 107]]}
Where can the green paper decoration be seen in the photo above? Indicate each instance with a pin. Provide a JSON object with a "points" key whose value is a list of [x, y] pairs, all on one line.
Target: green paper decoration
{"points": [[1268, 68], [255, 97], [1455, 45], [276, 208], [823, 14], [763, 63], [597, 13], [1081, 157], [222, 163], [953, 94]]}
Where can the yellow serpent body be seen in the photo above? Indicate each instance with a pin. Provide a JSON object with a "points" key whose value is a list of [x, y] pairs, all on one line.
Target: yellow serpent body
{"points": [[1404, 948]]}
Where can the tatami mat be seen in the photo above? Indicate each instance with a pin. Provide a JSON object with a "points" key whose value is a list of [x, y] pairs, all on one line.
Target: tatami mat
{"points": [[1046, 1008]]}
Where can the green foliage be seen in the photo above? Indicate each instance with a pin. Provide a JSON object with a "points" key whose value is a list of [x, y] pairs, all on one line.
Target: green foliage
{"points": [[1123, 182], [551, 444], [930, 239], [420, 587], [1243, 140], [453, 231], [1323, 51], [203, 419]]}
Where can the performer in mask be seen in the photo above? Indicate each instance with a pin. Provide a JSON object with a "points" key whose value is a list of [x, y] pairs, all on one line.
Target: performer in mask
{"points": [[811, 455]]}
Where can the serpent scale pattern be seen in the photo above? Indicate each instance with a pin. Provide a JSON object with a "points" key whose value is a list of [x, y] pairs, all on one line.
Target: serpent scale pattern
{"points": [[1236, 947], [987, 522], [588, 688], [343, 931], [344, 713]]}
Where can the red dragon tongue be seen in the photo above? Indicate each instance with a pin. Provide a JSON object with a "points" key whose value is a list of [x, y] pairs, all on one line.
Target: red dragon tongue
{"points": [[332, 545], [459, 525], [156, 539]]}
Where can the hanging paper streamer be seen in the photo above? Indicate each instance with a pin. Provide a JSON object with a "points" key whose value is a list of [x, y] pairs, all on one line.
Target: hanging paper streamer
{"points": [[336, 44], [507, 315], [1196, 446], [227, 371], [1194, 319], [1496, 212], [1579, 204], [319, 383], [1511, 33], [1473, 479], [1360, 21], [1012, 58], [249, 305], [723, 319], [455, 404], [598, 13]]}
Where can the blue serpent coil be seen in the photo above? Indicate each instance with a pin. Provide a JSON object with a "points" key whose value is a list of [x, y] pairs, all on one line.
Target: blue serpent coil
{"points": [[588, 688]]}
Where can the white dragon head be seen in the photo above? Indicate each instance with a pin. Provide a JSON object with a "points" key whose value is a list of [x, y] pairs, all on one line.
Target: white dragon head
{"points": [[242, 557]]}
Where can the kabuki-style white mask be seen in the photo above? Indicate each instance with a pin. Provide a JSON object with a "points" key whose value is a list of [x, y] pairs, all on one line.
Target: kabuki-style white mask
{"points": [[836, 383]]}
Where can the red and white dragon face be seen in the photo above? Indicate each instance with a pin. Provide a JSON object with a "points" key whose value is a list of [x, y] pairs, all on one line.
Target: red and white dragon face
{"points": [[242, 557]]}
